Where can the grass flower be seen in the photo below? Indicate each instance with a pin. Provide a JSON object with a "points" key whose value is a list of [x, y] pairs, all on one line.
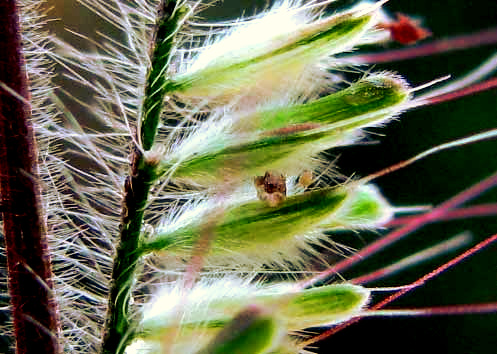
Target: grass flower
{"points": [[187, 193]]}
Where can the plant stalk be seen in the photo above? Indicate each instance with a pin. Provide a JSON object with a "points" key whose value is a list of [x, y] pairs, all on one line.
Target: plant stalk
{"points": [[119, 328], [33, 304]]}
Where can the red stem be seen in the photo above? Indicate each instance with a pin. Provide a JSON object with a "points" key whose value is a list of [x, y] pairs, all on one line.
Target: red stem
{"points": [[28, 260]]}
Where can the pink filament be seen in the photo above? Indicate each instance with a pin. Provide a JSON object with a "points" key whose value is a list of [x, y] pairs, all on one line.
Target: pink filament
{"points": [[467, 41], [405, 230], [476, 88], [442, 310], [460, 213]]}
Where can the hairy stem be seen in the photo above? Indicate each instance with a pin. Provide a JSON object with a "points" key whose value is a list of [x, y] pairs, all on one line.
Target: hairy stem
{"points": [[119, 327], [30, 284], [168, 21]]}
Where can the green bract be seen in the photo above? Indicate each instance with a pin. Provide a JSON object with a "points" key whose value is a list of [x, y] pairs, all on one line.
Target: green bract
{"points": [[272, 62], [252, 311], [286, 138], [265, 233]]}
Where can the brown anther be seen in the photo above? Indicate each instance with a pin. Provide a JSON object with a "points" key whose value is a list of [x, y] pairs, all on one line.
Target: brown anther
{"points": [[305, 178], [271, 188]]}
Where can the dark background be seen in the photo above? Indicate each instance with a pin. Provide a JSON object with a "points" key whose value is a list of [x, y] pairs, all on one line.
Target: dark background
{"points": [[430, 181]]}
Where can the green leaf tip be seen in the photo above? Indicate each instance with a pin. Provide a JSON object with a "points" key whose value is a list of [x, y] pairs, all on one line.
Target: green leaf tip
{"points": [[325, 305], [365, 207], [347, 109]]}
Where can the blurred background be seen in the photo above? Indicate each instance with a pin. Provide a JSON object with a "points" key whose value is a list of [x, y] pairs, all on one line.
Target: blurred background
{"points": [[430, 181]]}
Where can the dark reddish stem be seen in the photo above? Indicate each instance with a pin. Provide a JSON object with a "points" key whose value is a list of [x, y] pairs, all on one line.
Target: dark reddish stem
{"points": [[30, 285]]}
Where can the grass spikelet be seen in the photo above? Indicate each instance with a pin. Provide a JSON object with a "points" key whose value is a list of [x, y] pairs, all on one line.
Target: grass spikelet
{"points": [[186, 188], [279, 138], [211, 304], [290, 227], [289, 35]]}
